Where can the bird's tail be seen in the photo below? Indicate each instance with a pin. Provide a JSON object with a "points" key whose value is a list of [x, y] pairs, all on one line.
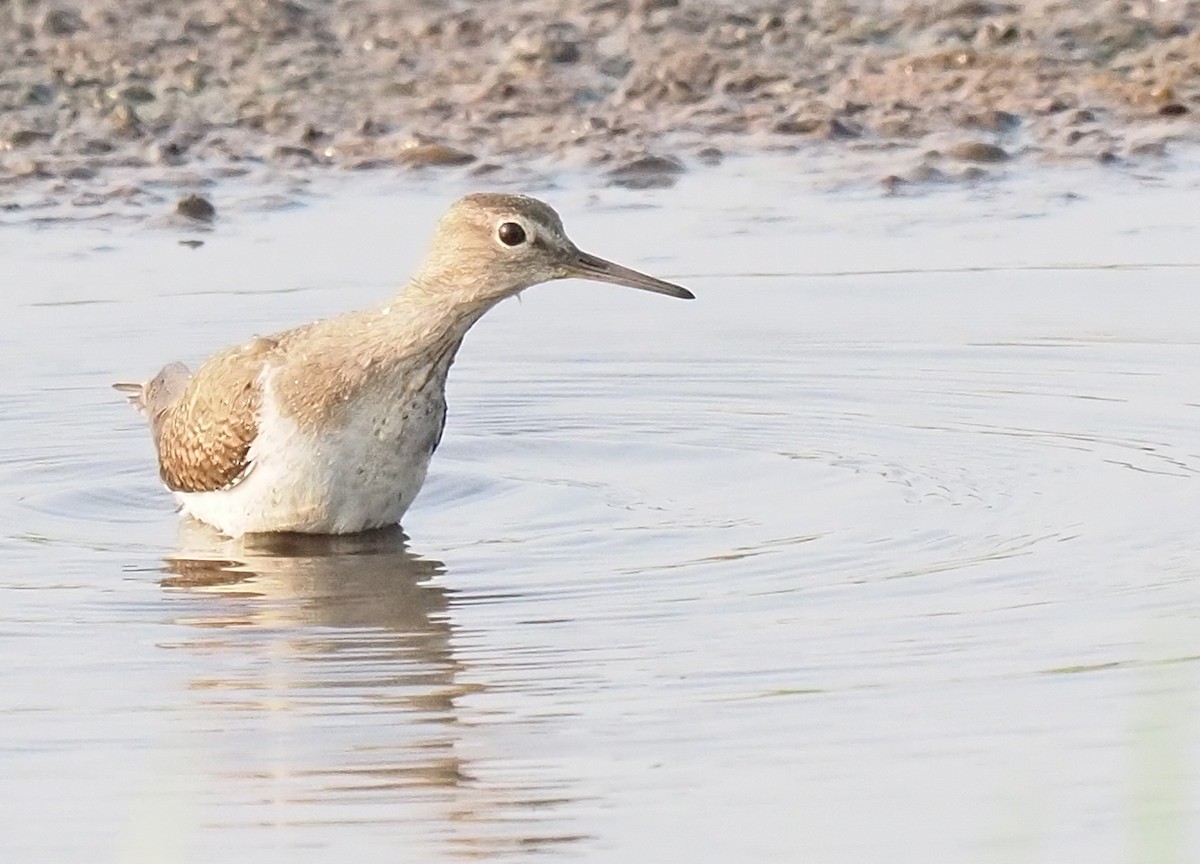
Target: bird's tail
{"points": [[135, 393], [157, 394]]}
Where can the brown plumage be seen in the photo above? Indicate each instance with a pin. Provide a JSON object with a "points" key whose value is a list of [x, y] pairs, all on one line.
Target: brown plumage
{"points": [[204, 439]]}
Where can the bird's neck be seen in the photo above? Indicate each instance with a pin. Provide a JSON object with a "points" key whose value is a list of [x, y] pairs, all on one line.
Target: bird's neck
{"points": [[421, 326], [439, 306]]}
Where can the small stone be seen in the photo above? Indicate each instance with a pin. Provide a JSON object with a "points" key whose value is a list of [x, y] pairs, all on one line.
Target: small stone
{"points": [[617, 66], [977, 9], [710, 155], [926, 173], [979, 151], [838, 129], [63, 21], [557, 42], [898, 127], [425, 155], [79, 172], [25, 167], [1157, 149], [404, 87], [312, 135], [88, 199], [749, 83], [371, 128], [1057, 105], [996, 121], [171, 153], [647, 172], [126, 121], [798, 126], [485, 168], [192, 80], [1162, 94], [136, 94], [196, 208], [1173, 109], [26, 137], [997, 33], [289, 153], [126, 192], [770, 21], [97, 147], [647, 6], [39, 94]]}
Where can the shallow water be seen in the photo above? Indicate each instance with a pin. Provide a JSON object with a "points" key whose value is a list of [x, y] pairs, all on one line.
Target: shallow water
{"points": [[882, 549]]}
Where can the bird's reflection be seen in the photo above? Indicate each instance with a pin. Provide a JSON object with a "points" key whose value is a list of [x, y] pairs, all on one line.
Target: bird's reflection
{"points": [[368, 581], [344, 646]]}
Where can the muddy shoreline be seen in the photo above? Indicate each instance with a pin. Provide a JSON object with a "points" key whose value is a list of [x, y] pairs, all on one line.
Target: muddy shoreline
{"points": [[99, 99]]}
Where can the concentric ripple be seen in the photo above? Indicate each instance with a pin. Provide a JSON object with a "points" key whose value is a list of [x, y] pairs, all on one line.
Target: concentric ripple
{"points": [[817, 567]]}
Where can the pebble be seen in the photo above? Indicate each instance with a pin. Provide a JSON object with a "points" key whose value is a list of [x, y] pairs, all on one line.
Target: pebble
{"points": [[837, 129], [978, 151], [63, 21], [926, 173], [25, 137], [294, 155], [557, 42], [39, 94], [79, 172], [89, 199], [137, 94], [170, 153], [798, 125], [1156, 149], [25, 166], [424, 155], [647, 172], [995, 121], [97, 147], [196, 208], [125, 121], [892, 184]]}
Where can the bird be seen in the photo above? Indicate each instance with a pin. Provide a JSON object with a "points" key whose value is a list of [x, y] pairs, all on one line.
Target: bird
{"points": [[329, 428]]}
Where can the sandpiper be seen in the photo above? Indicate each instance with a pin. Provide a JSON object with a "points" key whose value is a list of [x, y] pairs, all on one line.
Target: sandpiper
{"points": [[329, 428]]}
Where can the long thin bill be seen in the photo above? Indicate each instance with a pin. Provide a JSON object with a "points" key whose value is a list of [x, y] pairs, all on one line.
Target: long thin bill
{"points": [[587, 266]]}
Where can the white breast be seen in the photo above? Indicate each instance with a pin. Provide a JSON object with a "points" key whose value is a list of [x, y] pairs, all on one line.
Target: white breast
{"points": [[359, 474]]}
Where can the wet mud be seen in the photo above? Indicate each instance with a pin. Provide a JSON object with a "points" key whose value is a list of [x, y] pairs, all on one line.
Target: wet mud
{"points": [[104, 102]]}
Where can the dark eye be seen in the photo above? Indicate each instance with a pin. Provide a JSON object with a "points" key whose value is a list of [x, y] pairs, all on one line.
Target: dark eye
{"points": [[511, 234]]}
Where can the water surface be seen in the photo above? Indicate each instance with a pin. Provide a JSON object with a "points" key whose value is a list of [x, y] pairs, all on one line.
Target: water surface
{"points": [[882, 549]]}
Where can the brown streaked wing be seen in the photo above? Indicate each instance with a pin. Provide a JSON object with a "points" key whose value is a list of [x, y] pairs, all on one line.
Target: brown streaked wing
{"points": [[204, 438]]}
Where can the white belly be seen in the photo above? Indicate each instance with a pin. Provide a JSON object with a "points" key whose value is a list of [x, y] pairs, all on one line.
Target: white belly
{"points": [[362, 474]]}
